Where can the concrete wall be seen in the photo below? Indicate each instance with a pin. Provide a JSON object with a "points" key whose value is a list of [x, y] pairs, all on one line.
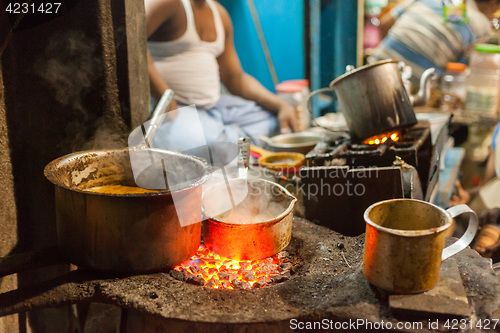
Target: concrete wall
{"points": [[8, 221], [70, 82]]}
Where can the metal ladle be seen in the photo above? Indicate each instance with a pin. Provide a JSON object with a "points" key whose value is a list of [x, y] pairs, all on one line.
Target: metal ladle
{"points": [[155, 121], [163, 104]]}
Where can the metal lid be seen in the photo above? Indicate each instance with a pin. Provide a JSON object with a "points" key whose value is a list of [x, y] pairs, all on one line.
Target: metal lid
{"points": [[361, 69]]}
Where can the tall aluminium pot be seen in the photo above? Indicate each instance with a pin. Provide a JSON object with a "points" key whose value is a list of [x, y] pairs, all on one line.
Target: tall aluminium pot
{"points": [[373, 98], [128, 233]]}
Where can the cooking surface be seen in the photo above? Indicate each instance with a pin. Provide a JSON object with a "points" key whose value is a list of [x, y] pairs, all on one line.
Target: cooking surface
{"points": [[329, 284], [414, 146], [357, 175], [208, 269]]}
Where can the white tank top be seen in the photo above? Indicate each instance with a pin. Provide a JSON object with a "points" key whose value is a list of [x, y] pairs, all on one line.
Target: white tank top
{"points": [[188, 64]]}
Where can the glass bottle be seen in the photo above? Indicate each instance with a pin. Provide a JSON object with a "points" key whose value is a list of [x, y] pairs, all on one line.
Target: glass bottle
{"points": [[483, 83], [453, 87]]}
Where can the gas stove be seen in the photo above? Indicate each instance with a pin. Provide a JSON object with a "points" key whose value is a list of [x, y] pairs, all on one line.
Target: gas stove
{"points": [[343, 177]]}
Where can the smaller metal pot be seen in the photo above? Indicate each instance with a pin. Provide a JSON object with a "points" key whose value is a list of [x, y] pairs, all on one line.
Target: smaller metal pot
{"points": [[374, 100], [259, 239]]}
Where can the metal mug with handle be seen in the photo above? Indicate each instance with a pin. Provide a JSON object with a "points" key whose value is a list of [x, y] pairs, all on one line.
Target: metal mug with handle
{"points": [[404, 243]]}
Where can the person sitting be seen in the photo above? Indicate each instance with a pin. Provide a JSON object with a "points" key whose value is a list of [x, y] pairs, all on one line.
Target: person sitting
{"points": [[493, 164], [190, 50], [490, 213], [416, 32]]}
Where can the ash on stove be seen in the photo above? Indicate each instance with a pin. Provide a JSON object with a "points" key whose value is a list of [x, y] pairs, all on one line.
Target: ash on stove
{"points": [[210, 270]]}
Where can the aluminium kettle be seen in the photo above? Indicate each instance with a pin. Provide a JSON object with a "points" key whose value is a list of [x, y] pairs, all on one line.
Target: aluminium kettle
{"points": [[374, 100]]}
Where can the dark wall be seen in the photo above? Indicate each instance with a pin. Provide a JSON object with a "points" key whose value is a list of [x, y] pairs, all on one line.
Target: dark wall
{"points": [[60, 90], [8, 230], [70, 82]]}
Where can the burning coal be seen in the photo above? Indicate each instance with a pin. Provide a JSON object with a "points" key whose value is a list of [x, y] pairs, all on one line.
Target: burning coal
{"points": [[208, 269], [381, 138]]}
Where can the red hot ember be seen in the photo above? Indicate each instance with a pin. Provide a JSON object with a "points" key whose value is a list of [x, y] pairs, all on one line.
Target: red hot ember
{"points": [[381, 138], [213, 271]]}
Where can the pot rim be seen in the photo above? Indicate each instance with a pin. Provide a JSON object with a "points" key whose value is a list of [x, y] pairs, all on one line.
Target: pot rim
{"points": [[360, 69], [49, 172], [408, 233], [269, 222], [274, 144]]}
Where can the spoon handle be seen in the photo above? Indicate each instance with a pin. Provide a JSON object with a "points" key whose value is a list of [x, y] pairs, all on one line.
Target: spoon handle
{"points": [[162, 106]]}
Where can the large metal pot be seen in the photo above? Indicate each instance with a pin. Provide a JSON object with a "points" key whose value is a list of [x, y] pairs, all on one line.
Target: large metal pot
{"points": [[373, 98], [126, 232], [260, 238]]}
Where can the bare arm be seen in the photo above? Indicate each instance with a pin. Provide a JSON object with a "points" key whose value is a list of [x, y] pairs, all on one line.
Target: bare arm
{"points": [[489, 171], [157, 13], [388, 20], [242, 84], [156, 83], [386, 23]]}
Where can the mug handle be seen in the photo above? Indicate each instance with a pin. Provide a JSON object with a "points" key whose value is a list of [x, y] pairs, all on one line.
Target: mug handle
{"points": [[468, 235]]}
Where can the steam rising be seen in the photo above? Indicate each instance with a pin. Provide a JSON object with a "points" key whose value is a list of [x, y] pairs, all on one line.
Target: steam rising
{"points": [[110, 132], [262, 201], [71, 67]]}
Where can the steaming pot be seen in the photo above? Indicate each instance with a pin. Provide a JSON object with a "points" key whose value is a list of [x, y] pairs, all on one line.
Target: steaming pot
{"points": [[249, 241]]}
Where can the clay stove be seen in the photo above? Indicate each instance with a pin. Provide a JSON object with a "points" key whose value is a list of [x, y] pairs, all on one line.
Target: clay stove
{"points": [[328, 286]]}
